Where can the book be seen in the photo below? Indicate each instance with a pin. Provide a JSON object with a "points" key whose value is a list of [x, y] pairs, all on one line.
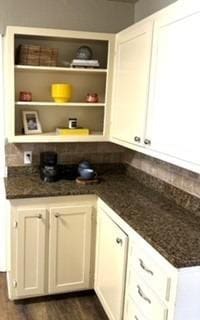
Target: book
{"points": [[85, 63], [72, 132]]}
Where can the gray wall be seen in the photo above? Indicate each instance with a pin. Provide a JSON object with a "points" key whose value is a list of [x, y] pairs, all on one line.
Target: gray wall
{"points": [[144, 8], [86, 15]]}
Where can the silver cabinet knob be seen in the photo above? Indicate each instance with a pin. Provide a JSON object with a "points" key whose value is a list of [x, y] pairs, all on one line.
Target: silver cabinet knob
{"points": [[137, 139], [147, 141], [119, 241]]}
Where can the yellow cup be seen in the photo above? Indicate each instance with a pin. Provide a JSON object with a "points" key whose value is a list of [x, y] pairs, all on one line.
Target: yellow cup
{"points": [[61, 92]]}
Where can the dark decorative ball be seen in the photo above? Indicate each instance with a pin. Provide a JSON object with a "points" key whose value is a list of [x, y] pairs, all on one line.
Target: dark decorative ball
{"points": [[84, 53]]}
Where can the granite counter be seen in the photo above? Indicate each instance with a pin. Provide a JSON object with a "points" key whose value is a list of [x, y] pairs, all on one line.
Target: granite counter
{"points": [[171, 229]]}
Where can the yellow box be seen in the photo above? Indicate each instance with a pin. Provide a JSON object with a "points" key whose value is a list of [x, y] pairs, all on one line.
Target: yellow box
{"points": [[73, 132]]}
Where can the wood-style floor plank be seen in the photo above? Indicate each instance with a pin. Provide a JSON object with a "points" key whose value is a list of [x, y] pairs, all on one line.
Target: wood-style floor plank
{"points": [[80, 306]]}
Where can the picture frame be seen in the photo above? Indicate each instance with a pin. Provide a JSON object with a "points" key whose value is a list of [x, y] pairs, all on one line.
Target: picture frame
{"points": [[31, 122]]}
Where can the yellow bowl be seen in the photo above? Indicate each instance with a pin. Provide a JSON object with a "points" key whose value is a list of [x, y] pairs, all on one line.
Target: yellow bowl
{"points": [[61, 92]]}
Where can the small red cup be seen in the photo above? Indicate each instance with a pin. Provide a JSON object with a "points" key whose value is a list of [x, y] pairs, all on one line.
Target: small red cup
{"points": [[25, 96], [92, 97]]}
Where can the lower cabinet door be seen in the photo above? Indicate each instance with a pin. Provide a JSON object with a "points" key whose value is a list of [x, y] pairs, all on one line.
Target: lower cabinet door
{"points": [[111, 254], [30, 252], [69, 248]]}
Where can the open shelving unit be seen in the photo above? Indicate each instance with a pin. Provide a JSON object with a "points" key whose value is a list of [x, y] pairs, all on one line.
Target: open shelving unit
{"points": [[38, 81]]}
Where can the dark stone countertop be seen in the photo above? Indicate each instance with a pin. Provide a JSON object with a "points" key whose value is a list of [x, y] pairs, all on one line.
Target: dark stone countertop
{"points": [[172, 230]]}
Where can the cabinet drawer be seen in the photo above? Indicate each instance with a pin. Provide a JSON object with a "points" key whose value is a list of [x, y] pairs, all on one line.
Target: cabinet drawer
{"points": [[156, 277], [147, 301], [133, 312]]}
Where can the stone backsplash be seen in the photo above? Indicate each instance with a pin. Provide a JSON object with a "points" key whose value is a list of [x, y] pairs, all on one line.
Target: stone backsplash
{"points": [[68, 153], [176, 176]]}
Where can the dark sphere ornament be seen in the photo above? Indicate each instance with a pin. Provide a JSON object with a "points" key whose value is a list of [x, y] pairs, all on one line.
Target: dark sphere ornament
{"points": [[84, 53]]}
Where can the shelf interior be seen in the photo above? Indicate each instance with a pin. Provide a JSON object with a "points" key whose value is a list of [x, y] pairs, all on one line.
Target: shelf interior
{"points": [[68, 47], [39, 84], [38, 81], [91, 118]]}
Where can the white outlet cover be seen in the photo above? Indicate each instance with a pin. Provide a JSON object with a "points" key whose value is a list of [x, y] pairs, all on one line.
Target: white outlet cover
{"points": [[27, 157]]}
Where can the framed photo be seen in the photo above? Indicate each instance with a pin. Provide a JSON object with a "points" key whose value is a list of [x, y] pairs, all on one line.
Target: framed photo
{"points": [[31, 122]]}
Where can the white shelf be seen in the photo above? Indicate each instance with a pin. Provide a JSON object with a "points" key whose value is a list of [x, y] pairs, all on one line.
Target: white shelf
{"points": [[53, 137], [53, 104], [59, 69]]}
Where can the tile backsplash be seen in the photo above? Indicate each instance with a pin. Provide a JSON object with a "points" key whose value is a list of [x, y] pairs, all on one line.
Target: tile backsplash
{"points": [[68, 153], [178, 177]]}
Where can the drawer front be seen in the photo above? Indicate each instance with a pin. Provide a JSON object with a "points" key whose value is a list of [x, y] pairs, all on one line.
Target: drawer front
{"points": [[153, 274], [146, 300], [133, 312]]}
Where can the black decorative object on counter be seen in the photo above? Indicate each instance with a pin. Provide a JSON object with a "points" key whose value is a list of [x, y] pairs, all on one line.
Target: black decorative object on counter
{"points": [[68, 171], [49, 171]]}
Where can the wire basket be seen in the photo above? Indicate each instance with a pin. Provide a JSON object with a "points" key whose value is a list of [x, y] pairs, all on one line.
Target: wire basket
{"points": [[35, 55]]}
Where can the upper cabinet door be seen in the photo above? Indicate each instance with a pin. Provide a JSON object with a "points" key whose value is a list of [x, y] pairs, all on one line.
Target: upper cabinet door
{"points": [[131, 80], [174, 111], [69, 248]]}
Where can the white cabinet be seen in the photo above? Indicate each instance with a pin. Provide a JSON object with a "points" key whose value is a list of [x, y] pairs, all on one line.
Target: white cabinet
{"points": [[51, 246], [111, 254], [155, 107], [157, 290], [173, 117], [151, 283], [154, 86], [69, 248], [38, 79], [131, 79], [29, 248]]}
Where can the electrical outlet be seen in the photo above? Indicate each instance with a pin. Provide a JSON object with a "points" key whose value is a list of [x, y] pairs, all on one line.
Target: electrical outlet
{"points": [[27, 157]]}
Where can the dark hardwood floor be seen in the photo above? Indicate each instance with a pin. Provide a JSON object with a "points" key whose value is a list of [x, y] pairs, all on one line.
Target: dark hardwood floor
{"points": [[59, 307]]}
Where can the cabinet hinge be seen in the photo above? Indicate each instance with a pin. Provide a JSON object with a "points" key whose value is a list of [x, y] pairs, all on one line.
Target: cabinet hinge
{"points": [[15, 224], [15, 283]]}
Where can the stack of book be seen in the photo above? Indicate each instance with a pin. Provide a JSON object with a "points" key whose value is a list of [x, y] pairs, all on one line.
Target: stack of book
{"points": [[73, 132]]}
